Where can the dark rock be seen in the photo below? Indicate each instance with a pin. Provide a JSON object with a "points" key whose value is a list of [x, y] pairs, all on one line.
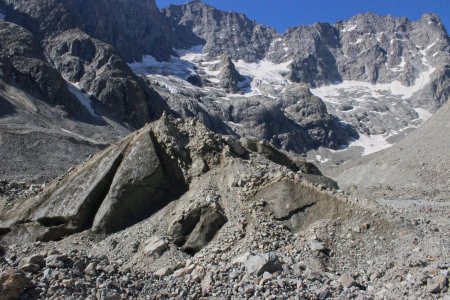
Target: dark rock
{"points": [[134, 28], [24, 65], [229, 77], [197, 228], [12, 284]]}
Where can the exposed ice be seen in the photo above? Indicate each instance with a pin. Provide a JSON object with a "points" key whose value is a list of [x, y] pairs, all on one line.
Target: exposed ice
{"points": [[175, 66], [263, 72]]}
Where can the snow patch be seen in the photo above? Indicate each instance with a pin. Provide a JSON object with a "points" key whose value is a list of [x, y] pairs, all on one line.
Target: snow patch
{"points": [[83, 98], [194, 54], [401, 66], [423, 114], [79, 136], [321, 160], [331, 93], [358, 41], [371, 143], [349, 27]]}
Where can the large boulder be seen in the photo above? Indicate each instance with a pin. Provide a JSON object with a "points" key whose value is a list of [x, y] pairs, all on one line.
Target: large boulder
{"points": [[116, 188], [143, 184]]}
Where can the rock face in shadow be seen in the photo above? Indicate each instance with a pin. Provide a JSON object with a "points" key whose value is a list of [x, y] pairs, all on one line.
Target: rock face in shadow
{"points": [[98, 69], [134, 28], [197, 228], [24, 65]]}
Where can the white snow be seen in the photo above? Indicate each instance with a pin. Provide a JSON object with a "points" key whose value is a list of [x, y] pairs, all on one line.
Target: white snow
{"points": [[371, 143], [400, 66], [234, 124], [79, 136], [83, 98], [423, 114], [358, 41], [193, 54], [380, 36], [349, 27], [263, 72], [331, 93], [319, 159]]}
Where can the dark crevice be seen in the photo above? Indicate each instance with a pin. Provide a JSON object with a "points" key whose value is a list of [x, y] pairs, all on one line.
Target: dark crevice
{"points": [[196, 229], [296, 211], [4, 231], [51, 222]]}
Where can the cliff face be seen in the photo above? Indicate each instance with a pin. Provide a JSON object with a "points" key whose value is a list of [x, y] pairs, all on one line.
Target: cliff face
{"points": [[134, 28]]}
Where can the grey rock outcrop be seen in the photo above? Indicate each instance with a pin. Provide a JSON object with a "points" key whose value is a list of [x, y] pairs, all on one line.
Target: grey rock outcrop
{"points": [[367, 47], [260, 263]]}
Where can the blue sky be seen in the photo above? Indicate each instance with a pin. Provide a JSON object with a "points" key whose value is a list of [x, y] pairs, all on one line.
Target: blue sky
{"points": [[282, 14]]}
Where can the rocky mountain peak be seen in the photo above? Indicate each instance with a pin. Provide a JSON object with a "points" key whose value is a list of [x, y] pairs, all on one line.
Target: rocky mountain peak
{"points": [[222, 32]]}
